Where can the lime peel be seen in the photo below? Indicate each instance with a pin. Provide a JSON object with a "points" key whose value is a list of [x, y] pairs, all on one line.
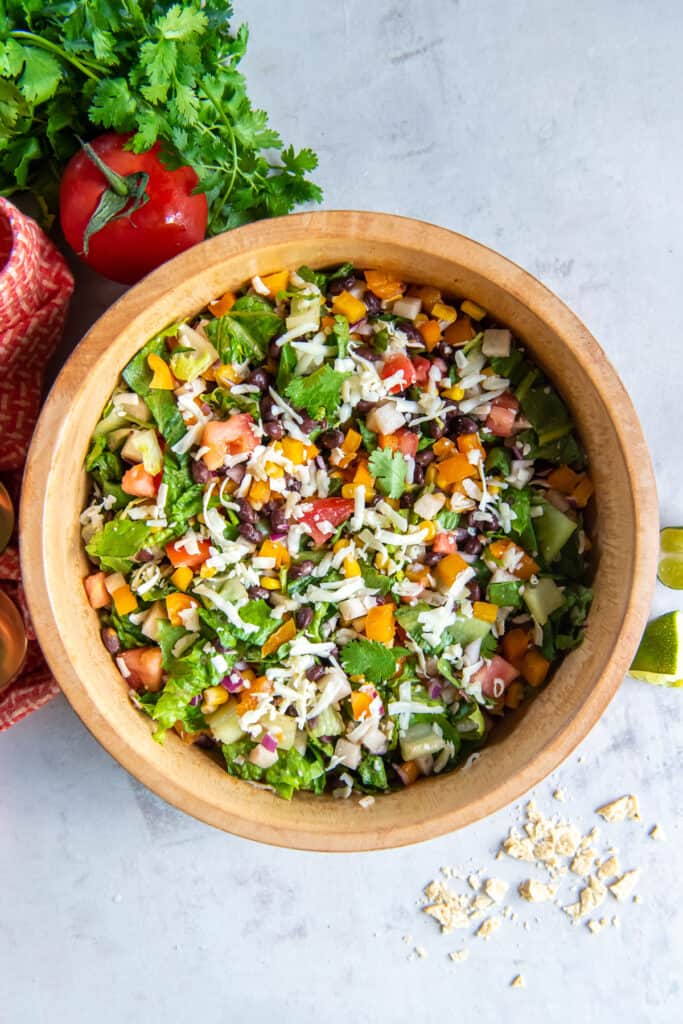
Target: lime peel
{"points": [[659, 659]]}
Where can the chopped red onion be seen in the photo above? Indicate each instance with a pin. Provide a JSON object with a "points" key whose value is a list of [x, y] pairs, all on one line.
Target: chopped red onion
{"points": [[233, 682], [435, 690], [236, 473], [195, 701], [269, 742]]}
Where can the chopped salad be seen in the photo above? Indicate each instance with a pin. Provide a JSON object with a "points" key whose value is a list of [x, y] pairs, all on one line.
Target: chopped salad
{"points": [[338, 525]]}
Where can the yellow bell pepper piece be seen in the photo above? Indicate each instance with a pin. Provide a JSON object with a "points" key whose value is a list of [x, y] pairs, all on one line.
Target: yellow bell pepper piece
{"points": [[259, 493], [440, 311], [276, 282], [124, 600], [162, 378], [351, 568], [429, 528], [349, 306], [380, 624], [455, 393], [269, 583], [360, 704], [177, 603], [274, 549], [525, 568], [283, 635], [472, 310], [182, 577], [225, 375]]}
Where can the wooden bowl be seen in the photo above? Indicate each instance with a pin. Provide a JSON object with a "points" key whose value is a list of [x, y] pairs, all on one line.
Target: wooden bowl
{"points": [[626, 525]]}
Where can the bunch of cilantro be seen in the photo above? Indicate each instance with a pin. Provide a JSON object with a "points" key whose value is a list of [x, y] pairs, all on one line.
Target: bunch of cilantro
{"points": [[161, 71]]}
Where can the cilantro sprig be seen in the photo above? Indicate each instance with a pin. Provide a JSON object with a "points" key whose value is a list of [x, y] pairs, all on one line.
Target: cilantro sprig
{"points": [[389, 469], [371, 659], [160, 71]]}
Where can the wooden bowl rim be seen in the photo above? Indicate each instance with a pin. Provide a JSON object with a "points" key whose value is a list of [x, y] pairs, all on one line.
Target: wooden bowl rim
{"points": [[406, 233]]}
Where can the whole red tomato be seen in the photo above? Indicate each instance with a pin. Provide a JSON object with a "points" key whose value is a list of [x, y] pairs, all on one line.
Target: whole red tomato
{"points": [[129, 245]]}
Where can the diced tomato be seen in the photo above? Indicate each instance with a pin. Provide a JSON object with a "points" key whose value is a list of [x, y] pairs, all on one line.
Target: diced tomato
{"points": [[402, 365], [179, 556], [325, 515], [145, 667], [98, 595], [501, 421], [444, 543], [422, 368], [228, 437], [407, 442], [138, 482], [497, 668], [506, 401]]}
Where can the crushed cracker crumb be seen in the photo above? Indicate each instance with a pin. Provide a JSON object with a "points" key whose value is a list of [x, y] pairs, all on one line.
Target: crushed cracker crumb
{"points": [[421, 952], [626, 807], [488, 928], [559, 795], [657, 832], [536, 892], [518, 982], [459, 955], [624, 886]]}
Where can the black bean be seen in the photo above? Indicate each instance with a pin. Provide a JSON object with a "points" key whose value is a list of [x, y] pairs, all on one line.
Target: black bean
{"points": [[258, 592], [260, 379], [303, 617], [424, 458], [269, 409], [144, 556], [431, 558], [278, 521], [292, 483], [408, 500], [363, 407], [308, 424], [315, 672], [304, 568], [342, 284], [368, 353], [373, 303], [418, 474], [273, 429], [472, 546], [110, 640], [274, 350], [332, 439], [474, 590], [445, 350], [435, 429], [245, 511], [249, 533], [493, 523], [460, 534], [200, 473], [268, 508], [409, 329], [462, 425]]}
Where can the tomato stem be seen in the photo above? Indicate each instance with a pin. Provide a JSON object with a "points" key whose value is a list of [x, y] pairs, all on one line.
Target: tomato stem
{"points": [[116, 181]]}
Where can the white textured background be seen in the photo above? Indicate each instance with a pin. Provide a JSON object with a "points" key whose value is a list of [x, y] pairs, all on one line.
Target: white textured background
{"points": [[551, 131]]}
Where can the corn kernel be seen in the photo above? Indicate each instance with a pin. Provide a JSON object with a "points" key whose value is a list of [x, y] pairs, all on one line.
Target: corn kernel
{"points": [[455, 393], [440, 311], [431, 473], [349, 490], [381, 560], [214, 696], [182, 577], [207, 572], [340, 545], [430, 528], [351, 568], [269, 583], [472, 310]]}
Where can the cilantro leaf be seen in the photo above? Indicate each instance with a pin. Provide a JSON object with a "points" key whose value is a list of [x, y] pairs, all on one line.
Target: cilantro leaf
{"points": [[370, 659], [389, 469], [319, 393]]}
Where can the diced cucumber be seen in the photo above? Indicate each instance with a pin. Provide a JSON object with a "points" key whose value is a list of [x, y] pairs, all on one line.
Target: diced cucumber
{"points": [[116, 438], [328, 723], [283, 728], [543, 599], [420, 739], [225, 724], [505, 595], [143, 446], [473, 725], [553, 530]]}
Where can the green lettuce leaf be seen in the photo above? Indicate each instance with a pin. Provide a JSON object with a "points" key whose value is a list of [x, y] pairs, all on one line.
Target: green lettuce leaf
{"points": [[117, 543], [162, 404], [243, 334]]}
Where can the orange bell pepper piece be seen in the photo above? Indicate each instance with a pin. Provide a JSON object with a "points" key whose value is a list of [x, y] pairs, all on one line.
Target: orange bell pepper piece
{"points": [[515, 645], [459, 332], [360, 704], [276, 282], [219, 307], [124, 600], [384, 285], [583, 491], [285, 633], [177, 603], [162, 378], [535, 667], [526, 567], [470, 443], [563, 479], [448, 569], [431, 334], [410, 772], [380, 624], [444, 446], [454, 470]]}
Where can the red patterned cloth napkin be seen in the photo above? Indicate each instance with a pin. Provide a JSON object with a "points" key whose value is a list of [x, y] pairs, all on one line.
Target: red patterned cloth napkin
{"points": [[35, 289]]}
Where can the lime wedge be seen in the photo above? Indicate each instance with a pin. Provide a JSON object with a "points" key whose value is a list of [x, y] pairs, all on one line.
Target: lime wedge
{"points": [[670, 571], [659, 659]]}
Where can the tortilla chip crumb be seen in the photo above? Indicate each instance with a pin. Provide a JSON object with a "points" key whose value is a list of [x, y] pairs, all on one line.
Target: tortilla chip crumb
{"points": [[657, 832], [559, 795], [626, 807], [488, 928], [624, 886], [518, 982], [459, 955]]}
